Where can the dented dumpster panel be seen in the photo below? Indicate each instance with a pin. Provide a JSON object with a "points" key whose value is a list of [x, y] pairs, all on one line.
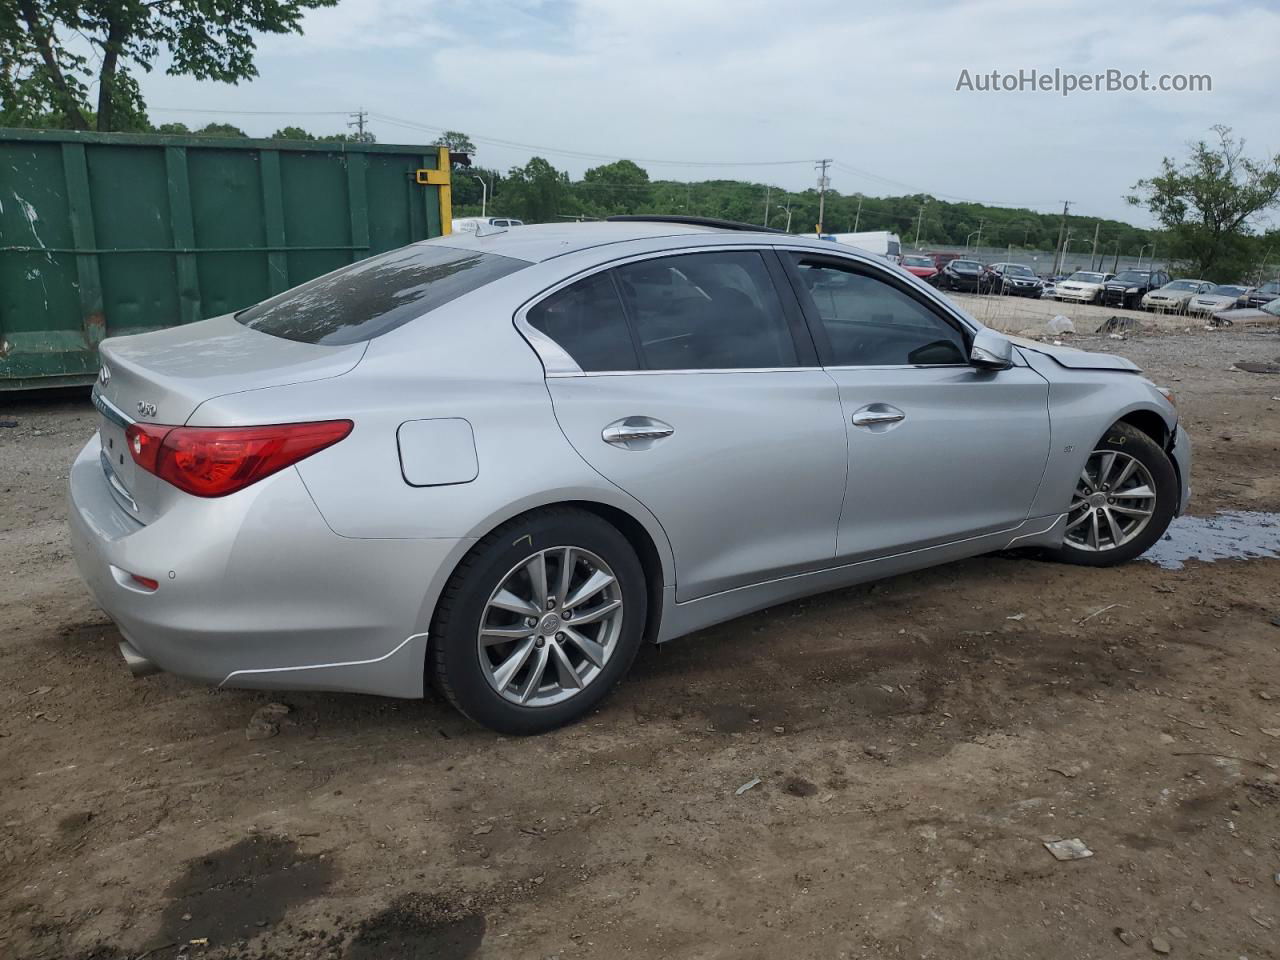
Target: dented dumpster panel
{"points": [[109, 234]]}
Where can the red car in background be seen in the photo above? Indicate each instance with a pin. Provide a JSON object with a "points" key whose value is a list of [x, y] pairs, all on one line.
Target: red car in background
{"points": [[922, 266]]}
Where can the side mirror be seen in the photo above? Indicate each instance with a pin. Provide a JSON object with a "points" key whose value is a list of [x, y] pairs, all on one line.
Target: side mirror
{"points": [[991, 351]]}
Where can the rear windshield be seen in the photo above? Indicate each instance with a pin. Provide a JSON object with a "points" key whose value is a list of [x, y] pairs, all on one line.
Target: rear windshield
{"points": [[369, 298]]}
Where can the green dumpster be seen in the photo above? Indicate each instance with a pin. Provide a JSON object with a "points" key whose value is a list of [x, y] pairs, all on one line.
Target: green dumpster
{"points": [[109, 234]]}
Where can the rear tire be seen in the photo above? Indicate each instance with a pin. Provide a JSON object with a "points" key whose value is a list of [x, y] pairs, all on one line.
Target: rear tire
{"points": [[554, 643], [1122, 504]]}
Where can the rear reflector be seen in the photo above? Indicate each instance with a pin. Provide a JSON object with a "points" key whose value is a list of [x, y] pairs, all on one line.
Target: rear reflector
{"points": [[216, 461], [144, 441], [145, 582]]}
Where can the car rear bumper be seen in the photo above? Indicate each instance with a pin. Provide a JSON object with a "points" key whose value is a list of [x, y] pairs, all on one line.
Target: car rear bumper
{"points": [[255, 590]]}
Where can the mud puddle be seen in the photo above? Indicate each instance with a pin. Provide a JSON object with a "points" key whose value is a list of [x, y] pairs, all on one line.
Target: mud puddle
{"points": [[1229, 535]]}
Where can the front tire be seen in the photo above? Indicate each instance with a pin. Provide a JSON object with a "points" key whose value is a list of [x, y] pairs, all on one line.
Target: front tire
{"points": [[539, 622], [1123, 502]]}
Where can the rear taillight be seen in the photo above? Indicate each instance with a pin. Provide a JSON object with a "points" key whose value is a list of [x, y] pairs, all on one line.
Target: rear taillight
{"points": [[216, 461]]}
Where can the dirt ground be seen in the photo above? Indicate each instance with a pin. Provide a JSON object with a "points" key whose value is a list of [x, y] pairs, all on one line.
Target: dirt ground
{"points": [[915, 741]]}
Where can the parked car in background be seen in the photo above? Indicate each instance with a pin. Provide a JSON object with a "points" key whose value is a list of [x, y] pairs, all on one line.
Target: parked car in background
{"points": [[1222, 297], [1174, 296], [424, 467], [1268, 312], [1128, 287], [1083, 286], [1049, 286], [960, 275], [472, 224], [1013, 279], [1261, 296], [920, 266], [940, 260]]}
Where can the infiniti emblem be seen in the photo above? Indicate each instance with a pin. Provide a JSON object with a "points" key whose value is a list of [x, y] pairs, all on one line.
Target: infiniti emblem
{"points": [[146, 408]]}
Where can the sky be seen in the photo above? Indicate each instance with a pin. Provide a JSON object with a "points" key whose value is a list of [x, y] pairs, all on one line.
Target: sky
{"points": [[755, 90]]}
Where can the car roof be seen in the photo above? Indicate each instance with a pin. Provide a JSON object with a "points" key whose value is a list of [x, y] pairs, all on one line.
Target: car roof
{"points": [[543, 241]]}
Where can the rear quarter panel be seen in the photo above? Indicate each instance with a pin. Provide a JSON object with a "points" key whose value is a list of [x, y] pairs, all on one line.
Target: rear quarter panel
{"points": [[463, 361]]}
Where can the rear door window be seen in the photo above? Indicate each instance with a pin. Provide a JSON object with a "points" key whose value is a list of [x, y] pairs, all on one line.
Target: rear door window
{"points": [[706, 311], [374, 296]]}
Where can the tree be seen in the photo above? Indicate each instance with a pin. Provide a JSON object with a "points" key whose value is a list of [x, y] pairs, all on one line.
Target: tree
{"points": [[220, 130], [292, 133], [1206, 203], [365, 137], [618, 187], [205, 39], [536, 192], [457, 142]]}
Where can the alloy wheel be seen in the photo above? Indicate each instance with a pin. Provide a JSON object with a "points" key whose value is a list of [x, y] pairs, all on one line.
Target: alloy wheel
{"points": [[1115, 499], [550, 626]]}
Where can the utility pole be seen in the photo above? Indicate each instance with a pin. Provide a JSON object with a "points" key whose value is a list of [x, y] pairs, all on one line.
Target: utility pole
{"points": [[767, 191], [484, 196], [919, 224], [361, 117], [1062, 229], [1094, 252], [858, 216], [823, 182], [977, 243]]}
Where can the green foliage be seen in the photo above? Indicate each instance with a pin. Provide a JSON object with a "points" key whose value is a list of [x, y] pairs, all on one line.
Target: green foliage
{"points": [[618, 187], [1206, 203], [292, 133], [457, 142], [365, 137], [537, 192], [467, 192], [42, 81], [219, 130]]}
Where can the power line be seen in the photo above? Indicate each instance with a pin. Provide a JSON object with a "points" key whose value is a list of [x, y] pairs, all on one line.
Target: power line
{"points": [[255, 113], [586, 155], [608, 157], [934, 193]]}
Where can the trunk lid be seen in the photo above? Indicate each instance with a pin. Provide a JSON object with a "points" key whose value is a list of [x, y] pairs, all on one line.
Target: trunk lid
{"points": [[162, 377]]}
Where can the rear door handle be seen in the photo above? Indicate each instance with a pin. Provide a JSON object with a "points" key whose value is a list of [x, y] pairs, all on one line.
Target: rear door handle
{"points": [[877, 414], [636, 433]]}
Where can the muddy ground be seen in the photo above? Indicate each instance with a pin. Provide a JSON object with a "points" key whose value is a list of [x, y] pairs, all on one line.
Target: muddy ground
{"points": [[915, 741]]}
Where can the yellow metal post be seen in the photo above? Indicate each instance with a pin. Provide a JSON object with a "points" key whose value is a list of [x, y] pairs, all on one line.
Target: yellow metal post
{"points": [[445, 166]]}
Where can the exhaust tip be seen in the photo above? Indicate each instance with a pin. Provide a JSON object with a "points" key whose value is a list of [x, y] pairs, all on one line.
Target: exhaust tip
{"points": [[138, 665]]}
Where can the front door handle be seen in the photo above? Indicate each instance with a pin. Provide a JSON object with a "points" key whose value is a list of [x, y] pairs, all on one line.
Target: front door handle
{"points": [[636, 433], [877, 414]]}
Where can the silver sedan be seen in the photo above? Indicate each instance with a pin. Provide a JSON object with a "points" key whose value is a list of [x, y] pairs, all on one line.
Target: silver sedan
{"points": [[502, 461]]}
